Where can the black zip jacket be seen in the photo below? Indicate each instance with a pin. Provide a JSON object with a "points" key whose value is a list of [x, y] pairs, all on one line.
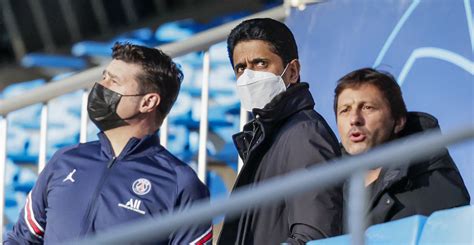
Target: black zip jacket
{"points": [[416, 188], [286, 135]]}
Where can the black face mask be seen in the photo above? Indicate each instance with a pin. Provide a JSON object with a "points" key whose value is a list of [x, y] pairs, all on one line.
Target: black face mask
{"points": [[102, 108]]}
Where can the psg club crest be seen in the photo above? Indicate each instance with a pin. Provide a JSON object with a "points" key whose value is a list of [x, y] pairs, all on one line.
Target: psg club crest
{"points": [[141, 186]]}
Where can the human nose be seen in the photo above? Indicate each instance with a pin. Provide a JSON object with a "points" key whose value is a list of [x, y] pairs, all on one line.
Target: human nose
{"points": [[104, 82], [356, 118]]}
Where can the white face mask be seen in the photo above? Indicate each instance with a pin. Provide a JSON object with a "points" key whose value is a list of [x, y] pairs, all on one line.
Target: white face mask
{"points": [[257, 88]]}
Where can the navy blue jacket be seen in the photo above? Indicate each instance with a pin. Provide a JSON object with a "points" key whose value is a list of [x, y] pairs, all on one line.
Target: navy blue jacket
{"points": [[85, 189]]}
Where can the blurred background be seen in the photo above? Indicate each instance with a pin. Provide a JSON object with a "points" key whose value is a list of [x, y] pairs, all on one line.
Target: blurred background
{"points": [[427, 45], [43, 41]]}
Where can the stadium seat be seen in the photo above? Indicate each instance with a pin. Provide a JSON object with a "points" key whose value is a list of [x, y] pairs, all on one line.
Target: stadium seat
{"points": [[452, 226], [177, 30], [403, 231], [216, 185], [142, 36], [337, 240], [53, 61], [103, 49]]}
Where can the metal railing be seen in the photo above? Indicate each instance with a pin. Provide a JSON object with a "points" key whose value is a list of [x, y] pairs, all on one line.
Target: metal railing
{"points": [[85, 79], [396, 153]]}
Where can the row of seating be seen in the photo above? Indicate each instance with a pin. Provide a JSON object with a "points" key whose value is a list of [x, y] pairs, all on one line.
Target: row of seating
{"points": [[89, 52], [451, 226]]}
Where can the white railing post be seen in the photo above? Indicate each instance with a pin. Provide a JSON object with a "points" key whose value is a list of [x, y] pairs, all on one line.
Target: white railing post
{"points": [[3, 165], [164, 133], [84, 117], [244, 118], [204, 123], [43, 141], [357, 208]]}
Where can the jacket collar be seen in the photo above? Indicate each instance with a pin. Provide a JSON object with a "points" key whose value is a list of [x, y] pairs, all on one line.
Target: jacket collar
{"points": [[134, 146], [296, 98], [256, 134], [416, 122]]}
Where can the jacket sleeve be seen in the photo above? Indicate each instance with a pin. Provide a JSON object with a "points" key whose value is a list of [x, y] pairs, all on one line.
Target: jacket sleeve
{"points": [[31, 223], [190, 191], [316, 214]]}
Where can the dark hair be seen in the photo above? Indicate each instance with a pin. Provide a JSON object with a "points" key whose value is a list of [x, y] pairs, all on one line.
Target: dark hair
{"points": [[275, 33], [160, 74], [383, 81]]}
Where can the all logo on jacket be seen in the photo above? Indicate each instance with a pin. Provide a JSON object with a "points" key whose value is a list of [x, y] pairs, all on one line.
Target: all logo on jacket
{"points": [[133, 204]]}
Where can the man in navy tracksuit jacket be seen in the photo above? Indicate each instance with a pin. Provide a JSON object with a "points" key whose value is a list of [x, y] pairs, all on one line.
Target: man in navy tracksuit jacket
{"points": [[126, 175]]}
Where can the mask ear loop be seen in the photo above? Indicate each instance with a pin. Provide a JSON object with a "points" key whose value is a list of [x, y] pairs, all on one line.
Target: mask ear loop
{"points": [[281, 76], [284, 70], [132, 95]]}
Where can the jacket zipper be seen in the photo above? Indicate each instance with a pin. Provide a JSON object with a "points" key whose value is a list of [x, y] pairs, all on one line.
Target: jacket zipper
{"points": [[92, 204]]}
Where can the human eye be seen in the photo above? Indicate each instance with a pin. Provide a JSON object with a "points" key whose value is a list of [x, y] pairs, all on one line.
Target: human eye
{"points": [[261, 63], [343, 110], [239, 69], [368, 108]]}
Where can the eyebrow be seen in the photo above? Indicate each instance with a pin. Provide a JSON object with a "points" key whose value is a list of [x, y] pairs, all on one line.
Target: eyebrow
{"points": [[109, 74], [342, 106], [253, 61]]}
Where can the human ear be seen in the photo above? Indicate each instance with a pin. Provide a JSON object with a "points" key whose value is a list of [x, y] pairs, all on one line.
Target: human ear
{"points": [[150, 102], [293, 71], [399, 124]]}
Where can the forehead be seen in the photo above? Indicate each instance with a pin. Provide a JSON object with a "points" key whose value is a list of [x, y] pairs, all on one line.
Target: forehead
{"points": [[362, 94], [252, 49], [123, 70]]}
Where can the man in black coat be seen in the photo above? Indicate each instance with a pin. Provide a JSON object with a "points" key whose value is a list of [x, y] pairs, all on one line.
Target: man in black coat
{"points": [[370, 111], [286, 134]]}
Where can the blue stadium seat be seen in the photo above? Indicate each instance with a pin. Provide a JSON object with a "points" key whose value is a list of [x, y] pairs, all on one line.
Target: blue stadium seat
{"points": [[177, 30], [142, 36], [403, 231], [217, 188], [337, 240], [213, 92], [103, 49], [452, 226], [20, 88], [22, 123], [53, 61], [228, 155], [216, 185]]}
